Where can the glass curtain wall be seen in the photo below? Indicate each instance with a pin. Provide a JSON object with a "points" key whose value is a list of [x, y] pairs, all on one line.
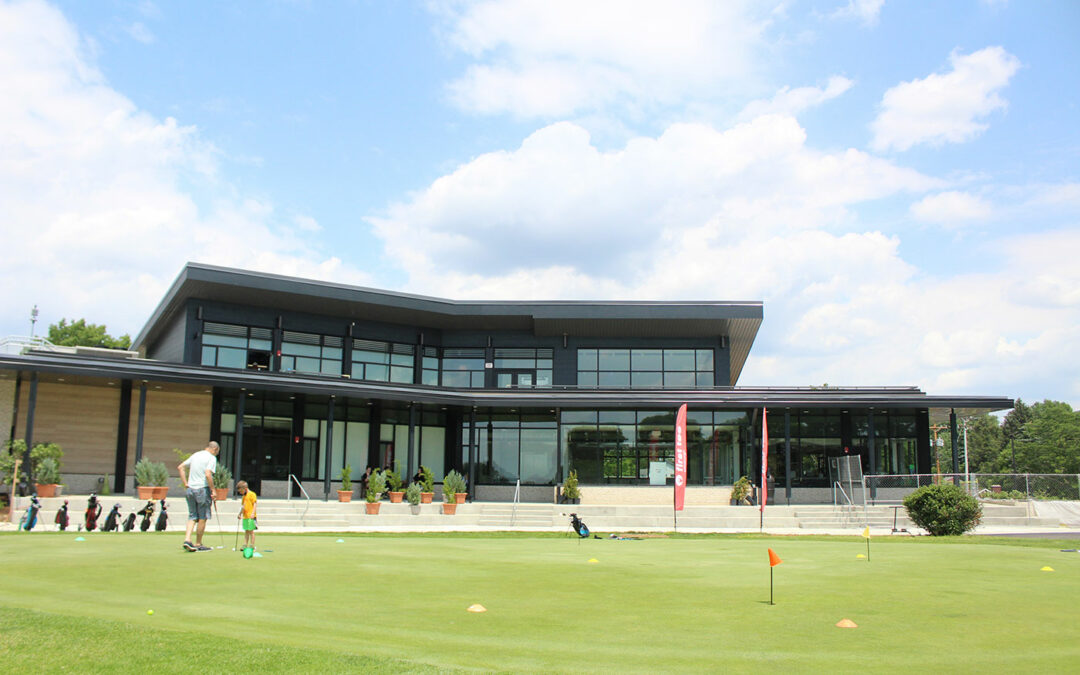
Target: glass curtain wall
{"points": [[645, 368], [232, 346], [311, 353], [895, 441], [463, 368], [513, 446], [382, 361]]}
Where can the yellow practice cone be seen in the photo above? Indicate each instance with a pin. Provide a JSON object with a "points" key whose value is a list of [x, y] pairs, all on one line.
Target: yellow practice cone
{"points": [[592, 560], [1047, 569], [846, 623], [477, 608]]}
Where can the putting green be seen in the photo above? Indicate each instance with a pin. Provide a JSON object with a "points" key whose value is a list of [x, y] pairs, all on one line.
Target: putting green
{"points": [[395, 603]]}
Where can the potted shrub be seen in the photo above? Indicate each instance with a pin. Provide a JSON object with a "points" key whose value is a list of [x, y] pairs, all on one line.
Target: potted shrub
{"points": [[345, 493], [222, 476], [571, 493], [449, 505], [412, 495], [427, 485], [161, 481], [740, 491], [38, 454], [393, 479], [457, 483], [144, 478], [376, 484], [47, 477]]}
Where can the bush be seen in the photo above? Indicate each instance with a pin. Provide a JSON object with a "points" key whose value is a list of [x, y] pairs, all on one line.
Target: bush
{"points": [[393, 479], [13, 451], [943, 509], [47, 472], [740, 490], [160, 475], [570, 489], [412, 493], [376, 485], [453, 483], [346, 478], [427, 479], [144, 472], [43, 451], [222, 476]]}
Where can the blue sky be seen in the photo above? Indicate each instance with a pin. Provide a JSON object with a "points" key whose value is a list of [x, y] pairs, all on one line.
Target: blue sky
{"points": [[897, 181]]}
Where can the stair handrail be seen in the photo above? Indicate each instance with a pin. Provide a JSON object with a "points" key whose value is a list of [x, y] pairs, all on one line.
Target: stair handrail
{"points": [[517, 499], [288, 496]]}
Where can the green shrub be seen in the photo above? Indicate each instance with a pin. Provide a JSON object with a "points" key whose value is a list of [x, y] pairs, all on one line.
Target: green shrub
{"points": [[14, 450], [144, 472], [393, 479], [161, 474], [427, 479], [453, 483], [43, 451], [376, 485], [943, 509], [570, 488], [412, 493], [346, 478], [740, 490], [222, 476], [47, 472]]}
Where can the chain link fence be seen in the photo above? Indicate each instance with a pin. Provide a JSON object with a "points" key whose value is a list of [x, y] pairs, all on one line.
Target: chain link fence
{"points": [[886, 489]]}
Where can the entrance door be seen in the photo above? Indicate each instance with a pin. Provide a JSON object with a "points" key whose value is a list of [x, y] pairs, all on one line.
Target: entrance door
{"points": [[266, 452], [515, 379]]}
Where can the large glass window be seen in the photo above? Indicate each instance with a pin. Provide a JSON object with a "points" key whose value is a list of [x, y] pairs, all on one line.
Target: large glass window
{"points": [[232, 346], [645, 368], [311, 353], [463, 368], [512, 446], [429, 373], [522, 368], [382, 361]]}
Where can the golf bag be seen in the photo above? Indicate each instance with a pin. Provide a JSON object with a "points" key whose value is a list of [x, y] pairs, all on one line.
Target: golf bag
{"points": [[61, 519], [163, 518], [112, 521], [93, 512], [579, 527], [147, 513], [129, 522], [29, 519]]}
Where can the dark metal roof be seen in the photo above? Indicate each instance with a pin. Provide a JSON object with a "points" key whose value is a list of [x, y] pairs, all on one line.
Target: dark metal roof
{"points": [[737, 320], [734, 397]]}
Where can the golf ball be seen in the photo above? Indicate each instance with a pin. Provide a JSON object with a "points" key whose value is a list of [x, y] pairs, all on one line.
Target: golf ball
{"points": [[150, 612]]}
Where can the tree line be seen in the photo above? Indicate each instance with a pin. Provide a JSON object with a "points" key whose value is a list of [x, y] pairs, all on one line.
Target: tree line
{"points": [[1039, 438]]}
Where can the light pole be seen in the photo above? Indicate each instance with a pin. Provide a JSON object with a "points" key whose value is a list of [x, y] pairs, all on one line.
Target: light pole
{"points": [[33, 320]]}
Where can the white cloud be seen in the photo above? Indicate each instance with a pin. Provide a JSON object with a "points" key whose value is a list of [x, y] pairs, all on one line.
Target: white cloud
{"points": [[140, 33], [947, 107], [790, 101], [557, 57], [96, 213], [866, 11], [951, 208]]}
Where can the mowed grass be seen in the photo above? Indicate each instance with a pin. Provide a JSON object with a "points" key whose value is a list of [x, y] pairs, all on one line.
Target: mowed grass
{"points": [[397, 603]]}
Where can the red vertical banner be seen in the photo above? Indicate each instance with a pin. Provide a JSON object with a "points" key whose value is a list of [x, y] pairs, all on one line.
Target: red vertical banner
{"points": [[680, 458], [764, 458]]}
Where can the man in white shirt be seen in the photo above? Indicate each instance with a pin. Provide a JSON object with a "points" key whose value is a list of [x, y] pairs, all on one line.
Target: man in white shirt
{"points": [[197, 475]]}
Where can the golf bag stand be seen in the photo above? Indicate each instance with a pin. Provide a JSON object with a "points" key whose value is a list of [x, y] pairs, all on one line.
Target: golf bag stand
{"points": [[163, 518], [29, 519], [61, 519], [112, 521], [147, 513], [93, 512]]}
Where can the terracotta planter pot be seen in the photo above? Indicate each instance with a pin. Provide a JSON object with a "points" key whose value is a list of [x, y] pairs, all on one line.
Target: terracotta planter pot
{"points": [[146, 493], [459, 497], [396, 497], [46, 490], [372, 508], [449, 508], [161, 492], [425, 497], [344, 495], [221, 494]]}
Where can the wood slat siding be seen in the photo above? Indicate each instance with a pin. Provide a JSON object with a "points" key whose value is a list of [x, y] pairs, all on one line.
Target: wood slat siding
{"points": [[7, 406], [81, 419], [173, 420]]}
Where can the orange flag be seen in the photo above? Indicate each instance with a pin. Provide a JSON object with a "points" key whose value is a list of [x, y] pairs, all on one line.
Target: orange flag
{"points": [[774, 559]]}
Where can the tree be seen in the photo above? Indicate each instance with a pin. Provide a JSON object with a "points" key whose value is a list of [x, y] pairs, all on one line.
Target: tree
{"points": [[78, 333], [1050, 440], [984, 438]]}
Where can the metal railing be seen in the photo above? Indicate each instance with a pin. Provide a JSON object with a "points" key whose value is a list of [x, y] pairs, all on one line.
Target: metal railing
{"points": [[1027, 487], [517, 500], [288, 497]]}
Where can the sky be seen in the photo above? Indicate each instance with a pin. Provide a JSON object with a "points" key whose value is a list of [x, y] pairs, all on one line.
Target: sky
{"points": [[897, 182]]}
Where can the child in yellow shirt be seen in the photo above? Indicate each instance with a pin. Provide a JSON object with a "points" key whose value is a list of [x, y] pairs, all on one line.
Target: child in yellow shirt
{"points": [[247, 513]]}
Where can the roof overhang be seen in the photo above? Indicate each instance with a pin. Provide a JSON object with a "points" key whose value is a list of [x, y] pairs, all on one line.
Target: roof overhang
{"points": [[738, 321]]}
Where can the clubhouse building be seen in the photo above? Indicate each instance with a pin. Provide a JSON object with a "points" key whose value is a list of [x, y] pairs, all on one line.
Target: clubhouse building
{"points": [[298, 378]]}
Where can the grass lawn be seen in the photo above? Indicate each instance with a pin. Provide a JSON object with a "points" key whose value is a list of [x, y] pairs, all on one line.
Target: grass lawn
{"points": [[397, 603]]}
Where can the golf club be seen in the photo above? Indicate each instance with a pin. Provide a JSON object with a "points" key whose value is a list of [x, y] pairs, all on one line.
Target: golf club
{"points": [[237, 537], [218, 517]]}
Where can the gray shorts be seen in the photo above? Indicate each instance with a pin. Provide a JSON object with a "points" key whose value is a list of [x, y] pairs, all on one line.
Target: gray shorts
{"points": [[199, 502]]}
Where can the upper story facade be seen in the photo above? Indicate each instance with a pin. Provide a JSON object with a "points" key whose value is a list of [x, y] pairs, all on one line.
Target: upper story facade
{"points": [[240, 320]]}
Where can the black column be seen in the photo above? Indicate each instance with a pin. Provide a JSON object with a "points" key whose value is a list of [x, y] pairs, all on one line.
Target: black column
{"points": [[238, 441], [871, 437], [558, 446], [15, 407], [472, 453], [787, 455], [922, 430], [142, 422], [375, 436], [329, 448], [955, 441], [30, 408], [123, 430], [412, 440]]}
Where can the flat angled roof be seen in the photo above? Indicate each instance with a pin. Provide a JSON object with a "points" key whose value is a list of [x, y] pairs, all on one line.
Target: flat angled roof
{"points": [[739, 321]]}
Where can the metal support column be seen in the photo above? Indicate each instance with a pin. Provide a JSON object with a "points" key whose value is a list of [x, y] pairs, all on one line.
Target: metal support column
{"points": [[412, 441], [142, 422], [238, 442], [30, 408], [787, 455], [329, 448], [472, 453], [123, 431], [871, 437], [955, 442]]}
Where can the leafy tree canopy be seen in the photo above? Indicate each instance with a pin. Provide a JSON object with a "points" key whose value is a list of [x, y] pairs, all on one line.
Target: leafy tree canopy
{"points": [[78, 333]]}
